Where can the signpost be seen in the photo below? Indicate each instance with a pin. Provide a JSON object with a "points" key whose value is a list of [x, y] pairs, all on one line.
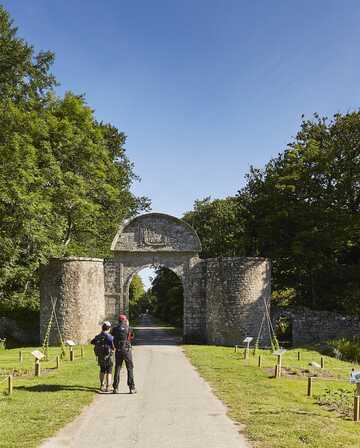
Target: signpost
{"points": [[38, 357], [247, 341], [355, 379], [71, 345], [279, 354]]}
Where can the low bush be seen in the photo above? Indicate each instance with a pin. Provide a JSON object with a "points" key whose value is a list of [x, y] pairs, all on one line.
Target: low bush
{"points": [[346, 349]]}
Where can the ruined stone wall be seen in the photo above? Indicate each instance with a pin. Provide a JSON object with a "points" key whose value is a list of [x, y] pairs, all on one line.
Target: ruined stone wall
{"points": [[195, 303], [78, 285], [310, 326], [235, 292], [223, 298]]}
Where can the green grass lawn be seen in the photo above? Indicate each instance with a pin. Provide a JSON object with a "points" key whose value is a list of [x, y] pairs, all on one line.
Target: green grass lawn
{"points": [[277, 413], [39, 406]]}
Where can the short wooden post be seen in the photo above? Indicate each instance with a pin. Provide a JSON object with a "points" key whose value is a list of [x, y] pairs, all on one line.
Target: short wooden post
{"points": [[299, 356], [322, 362], [309, 386], [57, 361], [277, 371], [37, 367], [236, 349], [71, 354], [82, 351], [279, 366], [21, 358], [260, 361], [356, 408], [246, 353], [10, 384]]}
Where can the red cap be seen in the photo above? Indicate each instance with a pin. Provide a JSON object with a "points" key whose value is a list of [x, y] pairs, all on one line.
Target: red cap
{"points": [[122, 317]]}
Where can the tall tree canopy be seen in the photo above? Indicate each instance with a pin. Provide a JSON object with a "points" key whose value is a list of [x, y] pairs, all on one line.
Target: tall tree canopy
{"points": [[64, 177], [301, 211]]}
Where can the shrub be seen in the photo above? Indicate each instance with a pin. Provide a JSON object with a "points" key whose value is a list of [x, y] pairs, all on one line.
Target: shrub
{"points": [[346, 349]]}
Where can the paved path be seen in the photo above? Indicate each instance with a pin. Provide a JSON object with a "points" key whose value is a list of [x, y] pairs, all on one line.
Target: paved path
{"points": [[174, 407]]}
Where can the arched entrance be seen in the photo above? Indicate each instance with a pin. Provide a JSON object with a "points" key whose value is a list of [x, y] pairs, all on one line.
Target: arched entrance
{"points": [[154, 239], [223, 297]]}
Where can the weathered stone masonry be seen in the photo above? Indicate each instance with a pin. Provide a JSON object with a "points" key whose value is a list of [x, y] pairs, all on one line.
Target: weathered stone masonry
{"points": [[223, 298]]}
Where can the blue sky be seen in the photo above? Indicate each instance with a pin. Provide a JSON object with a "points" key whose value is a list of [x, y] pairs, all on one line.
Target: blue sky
{"points": [[202, 88]]}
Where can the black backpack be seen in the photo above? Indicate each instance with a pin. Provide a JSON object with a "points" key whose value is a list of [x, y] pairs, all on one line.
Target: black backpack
{"points": [[121, 336], [101, 347]]}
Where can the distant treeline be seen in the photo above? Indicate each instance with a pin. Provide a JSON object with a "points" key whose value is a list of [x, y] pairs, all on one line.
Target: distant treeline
{"points": [[303, 212], [64, 177]]}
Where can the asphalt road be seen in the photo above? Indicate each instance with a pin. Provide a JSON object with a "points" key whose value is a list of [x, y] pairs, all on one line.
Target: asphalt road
{"points": [[174, 407]]}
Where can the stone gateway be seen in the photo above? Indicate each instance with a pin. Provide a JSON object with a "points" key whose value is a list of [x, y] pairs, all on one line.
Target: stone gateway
{"points": [[223, 297]]}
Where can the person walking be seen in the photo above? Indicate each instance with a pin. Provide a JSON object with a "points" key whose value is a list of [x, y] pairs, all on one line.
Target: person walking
{"points": [[123, 334], [104, 348]]}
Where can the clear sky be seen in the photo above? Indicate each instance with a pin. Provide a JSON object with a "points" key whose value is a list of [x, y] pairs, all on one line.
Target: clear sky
{"points": [[202, 88]]}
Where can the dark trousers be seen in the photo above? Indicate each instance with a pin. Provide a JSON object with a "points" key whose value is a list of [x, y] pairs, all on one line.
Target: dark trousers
{"points": [[120, 357]]}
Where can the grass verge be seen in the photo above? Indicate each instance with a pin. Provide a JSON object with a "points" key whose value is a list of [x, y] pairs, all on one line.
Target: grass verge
{"points": [[277, 413], [39, 406]]}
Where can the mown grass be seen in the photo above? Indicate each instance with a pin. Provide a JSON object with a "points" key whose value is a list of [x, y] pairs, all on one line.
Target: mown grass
{"points": [[277, 413], [39, 406]]}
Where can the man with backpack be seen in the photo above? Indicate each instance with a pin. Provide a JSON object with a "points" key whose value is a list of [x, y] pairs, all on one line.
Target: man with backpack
{"points": [[103, 349], [123, 335]]}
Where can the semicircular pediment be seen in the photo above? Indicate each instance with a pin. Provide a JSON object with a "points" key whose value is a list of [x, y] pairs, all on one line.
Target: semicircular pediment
{"points": [[156, 232]]}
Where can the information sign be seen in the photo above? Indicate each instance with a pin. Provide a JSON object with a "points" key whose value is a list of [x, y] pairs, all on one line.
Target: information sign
{"points": [[354, 377], [38, 355], [70, 343], [248, 339]]}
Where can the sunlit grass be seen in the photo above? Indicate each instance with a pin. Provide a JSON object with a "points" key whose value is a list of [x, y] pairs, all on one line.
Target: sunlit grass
{"points": [[277, 413], [39, 406]]}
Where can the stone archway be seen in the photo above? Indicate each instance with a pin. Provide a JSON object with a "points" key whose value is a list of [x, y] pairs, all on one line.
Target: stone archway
{"points": [[154, 239], [223, 297]]}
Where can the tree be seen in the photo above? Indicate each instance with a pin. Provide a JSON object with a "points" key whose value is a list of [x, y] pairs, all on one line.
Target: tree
{"points": [[64, 177], [302, 211], [167, 296], [218, 225]]}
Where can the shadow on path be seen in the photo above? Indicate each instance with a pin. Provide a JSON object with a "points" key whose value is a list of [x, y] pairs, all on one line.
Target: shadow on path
{"points": [[149, 333], [56, 388]]}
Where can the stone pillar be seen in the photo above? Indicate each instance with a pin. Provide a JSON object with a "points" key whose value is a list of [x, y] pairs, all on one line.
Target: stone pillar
{"points": [[77, 285], [236, 289]]}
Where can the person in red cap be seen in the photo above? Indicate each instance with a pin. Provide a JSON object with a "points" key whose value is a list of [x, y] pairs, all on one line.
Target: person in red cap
{"points": [[123, 334]]}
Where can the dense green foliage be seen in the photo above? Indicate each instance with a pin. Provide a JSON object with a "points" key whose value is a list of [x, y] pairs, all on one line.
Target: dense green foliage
{"points": [[167, 297], [64, 177], [346, 349], [301, 211], [136, 293], [164, 299]]}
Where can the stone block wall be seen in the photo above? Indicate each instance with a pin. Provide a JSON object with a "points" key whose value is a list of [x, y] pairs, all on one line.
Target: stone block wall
{"points": [[223, 298], [78, 285], [311, 326], [235, 292]]}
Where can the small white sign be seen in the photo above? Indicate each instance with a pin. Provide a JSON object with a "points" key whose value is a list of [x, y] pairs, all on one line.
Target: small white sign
{"points": [[354, 377], [38, 355], [279, 352], [248, 339], [70, 343]]}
